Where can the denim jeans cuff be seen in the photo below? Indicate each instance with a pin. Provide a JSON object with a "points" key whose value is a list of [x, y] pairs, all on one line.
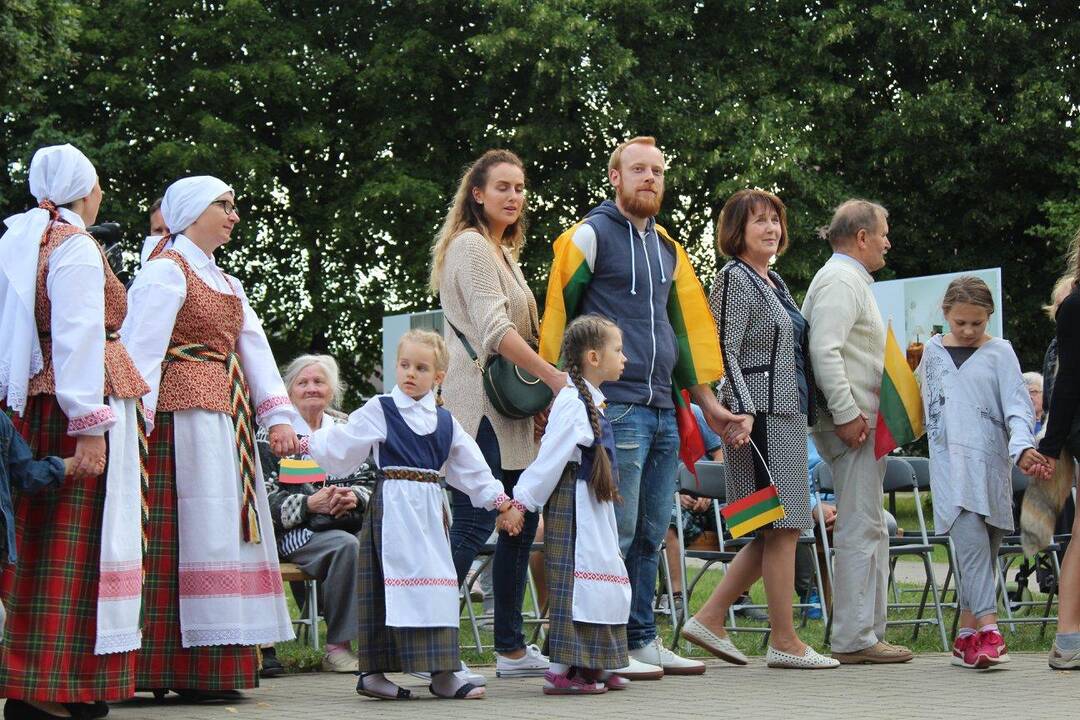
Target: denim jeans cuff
{"points": [[638, 643]]}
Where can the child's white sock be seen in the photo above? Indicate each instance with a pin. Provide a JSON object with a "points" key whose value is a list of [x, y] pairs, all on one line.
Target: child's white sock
{"points": [[965, 632], [559, 669], [377, 683], [447, 683], [988, 628]]}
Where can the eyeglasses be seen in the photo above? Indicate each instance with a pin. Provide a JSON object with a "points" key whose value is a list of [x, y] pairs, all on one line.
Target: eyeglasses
{"points": [[225, 205]]}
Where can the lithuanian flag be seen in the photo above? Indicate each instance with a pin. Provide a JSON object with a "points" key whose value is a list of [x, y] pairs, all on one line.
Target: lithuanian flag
{"points": [[688, 311], [292, 471], [900, 414], [753, 511]]}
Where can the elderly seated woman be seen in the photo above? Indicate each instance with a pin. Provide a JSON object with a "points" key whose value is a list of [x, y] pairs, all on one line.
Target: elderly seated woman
{"points": [[316, 523]]}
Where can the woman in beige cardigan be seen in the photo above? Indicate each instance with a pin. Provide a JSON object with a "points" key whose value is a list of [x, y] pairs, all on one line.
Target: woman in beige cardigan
{"points": [[484, 295]]}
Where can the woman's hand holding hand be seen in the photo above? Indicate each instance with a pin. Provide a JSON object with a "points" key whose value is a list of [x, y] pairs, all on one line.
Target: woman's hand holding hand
{"points": [[1034, 464], [283, 440], [738, 430], [511, 521], [89, 460]]}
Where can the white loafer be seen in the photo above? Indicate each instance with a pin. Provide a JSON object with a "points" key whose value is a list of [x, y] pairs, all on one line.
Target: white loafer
{"points": [[721, 647], [810, 660]]}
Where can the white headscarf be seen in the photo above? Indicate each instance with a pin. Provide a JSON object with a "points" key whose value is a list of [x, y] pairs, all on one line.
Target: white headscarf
{"points": [[59, 174], [183, 203]]}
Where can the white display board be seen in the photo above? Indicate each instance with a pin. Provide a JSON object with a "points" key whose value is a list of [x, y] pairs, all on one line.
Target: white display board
{"points": [[913, 305]]}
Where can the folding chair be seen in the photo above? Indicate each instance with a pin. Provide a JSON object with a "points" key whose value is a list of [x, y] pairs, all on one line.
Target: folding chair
{"points": [[712, 476], [537, 618], [308, 622], [1008, 553], [899, 477]]}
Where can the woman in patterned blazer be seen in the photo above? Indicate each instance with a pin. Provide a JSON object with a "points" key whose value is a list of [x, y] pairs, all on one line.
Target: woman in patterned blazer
{"points": [[763, 338]]}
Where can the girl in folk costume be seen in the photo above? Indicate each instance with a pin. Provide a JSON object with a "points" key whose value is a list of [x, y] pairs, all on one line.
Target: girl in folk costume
{"points": [[979, 422], [574, 478], [213, 583], [73, 598], [407, 581]]}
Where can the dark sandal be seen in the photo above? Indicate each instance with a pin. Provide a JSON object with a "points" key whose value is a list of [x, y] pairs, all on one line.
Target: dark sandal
{"points": [[461, 693], [402, 693]]}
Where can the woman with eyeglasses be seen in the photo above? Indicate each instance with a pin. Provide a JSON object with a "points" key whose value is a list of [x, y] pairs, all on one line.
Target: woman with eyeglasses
{"points": [[213, 586]]}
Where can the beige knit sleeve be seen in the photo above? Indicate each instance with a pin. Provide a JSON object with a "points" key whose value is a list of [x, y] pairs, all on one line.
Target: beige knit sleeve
{"points": [[476, 274]]}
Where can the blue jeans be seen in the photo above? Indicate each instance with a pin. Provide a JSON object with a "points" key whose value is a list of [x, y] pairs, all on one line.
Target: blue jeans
{"points": [[646, 448], [471, 529]]}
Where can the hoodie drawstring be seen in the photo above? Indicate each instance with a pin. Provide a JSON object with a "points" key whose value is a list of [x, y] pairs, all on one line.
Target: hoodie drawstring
{"points": [[659, 257], [633, 267]]}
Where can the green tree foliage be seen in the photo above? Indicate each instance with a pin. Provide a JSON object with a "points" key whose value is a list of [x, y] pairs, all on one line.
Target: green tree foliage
{"points": [[345, 126]]}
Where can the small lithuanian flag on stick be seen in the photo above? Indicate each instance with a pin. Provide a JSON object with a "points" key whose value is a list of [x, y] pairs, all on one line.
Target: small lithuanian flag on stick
{"points": [[755, 510], [900, 413], [294, 471]]}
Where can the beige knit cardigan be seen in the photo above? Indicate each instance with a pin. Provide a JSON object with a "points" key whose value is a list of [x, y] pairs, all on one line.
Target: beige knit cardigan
{"points": [[485, 297]]}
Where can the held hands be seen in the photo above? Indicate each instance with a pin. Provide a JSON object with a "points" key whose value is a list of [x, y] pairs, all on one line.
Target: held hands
{"points": [[1034, 464], [730, 427], [738, 431], [283, 440], [89, 460], [854, 433], [69, 466], [332, 500], [511, 520]]}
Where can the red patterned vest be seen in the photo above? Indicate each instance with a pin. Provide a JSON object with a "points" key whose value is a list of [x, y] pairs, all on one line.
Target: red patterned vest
{"points": [[210, 318], [122, 379]]}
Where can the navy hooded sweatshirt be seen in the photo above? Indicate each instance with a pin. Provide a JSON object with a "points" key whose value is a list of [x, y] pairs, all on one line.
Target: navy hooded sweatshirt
{"points": [[631, 282]]}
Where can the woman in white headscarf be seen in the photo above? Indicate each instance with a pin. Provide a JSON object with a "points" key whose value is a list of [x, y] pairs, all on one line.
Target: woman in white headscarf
{"points": [[213, 584], [73, 597]]}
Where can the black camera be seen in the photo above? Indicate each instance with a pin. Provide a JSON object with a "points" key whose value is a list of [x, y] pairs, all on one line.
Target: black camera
{"points": [[111, 239]]}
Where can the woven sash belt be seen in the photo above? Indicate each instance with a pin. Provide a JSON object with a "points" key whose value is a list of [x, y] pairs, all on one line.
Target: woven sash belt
{"points": [[410, 474], [240, 407]]}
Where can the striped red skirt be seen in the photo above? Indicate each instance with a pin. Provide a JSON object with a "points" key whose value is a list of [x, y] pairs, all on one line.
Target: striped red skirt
{"points": [[47, 652], [163, 661]]}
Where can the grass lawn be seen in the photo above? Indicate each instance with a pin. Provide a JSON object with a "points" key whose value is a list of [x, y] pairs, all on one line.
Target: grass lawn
{"points": [[300, 657]]}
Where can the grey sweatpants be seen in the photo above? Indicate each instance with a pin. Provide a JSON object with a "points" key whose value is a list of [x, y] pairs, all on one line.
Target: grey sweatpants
{"points": [[976, 546], [332, 556]]}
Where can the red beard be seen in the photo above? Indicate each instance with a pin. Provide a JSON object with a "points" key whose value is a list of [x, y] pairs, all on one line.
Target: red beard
{"points": [[641, 204]]}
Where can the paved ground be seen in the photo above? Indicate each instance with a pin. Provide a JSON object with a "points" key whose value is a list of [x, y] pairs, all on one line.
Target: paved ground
{"points": [[928, 687]]}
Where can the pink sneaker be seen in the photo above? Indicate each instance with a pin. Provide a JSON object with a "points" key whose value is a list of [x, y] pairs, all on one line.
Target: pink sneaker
{"points": [[616, 682], [572, 683], [992, 645], [966, 653]]}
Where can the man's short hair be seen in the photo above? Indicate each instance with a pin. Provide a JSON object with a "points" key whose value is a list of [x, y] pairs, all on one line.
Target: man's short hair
{"points": [[616, 156], [850, 217], [155, 206]]}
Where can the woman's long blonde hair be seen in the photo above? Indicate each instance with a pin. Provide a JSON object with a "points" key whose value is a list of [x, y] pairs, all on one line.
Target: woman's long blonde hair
{"points": [[465, 213]]}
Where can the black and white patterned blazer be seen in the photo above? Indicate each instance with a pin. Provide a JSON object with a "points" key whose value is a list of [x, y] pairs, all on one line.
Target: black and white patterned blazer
{"points": [[756, 341]]}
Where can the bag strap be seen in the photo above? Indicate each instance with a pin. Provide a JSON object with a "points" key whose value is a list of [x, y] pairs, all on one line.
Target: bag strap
{"points": [[464, 342]]}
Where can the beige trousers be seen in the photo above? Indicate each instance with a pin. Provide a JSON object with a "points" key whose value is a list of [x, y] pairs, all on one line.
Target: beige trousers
{"points": [[861, 543]]}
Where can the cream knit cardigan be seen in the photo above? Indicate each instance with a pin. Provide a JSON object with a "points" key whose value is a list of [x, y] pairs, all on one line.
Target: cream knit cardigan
{"points": [[847, 342], [485, 298]]}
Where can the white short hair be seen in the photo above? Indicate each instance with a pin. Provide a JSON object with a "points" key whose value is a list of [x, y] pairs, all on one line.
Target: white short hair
{"points": [[329, 367], [1033, 379]]}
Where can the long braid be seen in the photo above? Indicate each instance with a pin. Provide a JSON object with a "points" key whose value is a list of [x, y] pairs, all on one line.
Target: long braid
{"points": [[588, 332]]}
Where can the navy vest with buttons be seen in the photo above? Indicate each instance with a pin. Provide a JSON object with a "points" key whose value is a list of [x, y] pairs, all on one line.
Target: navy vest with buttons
{"points": [[607, 441], [406, 449]]}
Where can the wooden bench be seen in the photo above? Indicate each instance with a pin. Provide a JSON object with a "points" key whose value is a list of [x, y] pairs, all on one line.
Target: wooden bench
{"points": [[309, 611]]}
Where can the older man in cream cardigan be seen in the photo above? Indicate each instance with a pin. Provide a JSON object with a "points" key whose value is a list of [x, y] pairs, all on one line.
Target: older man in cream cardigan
{"points": [[847, 350]]}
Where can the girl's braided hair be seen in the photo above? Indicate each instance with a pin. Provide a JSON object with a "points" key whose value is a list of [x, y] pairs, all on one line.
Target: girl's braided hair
{"points": [[585, 333]]}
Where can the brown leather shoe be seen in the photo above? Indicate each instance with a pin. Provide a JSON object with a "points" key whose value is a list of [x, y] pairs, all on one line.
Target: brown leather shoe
{"points": [[879, 653]]}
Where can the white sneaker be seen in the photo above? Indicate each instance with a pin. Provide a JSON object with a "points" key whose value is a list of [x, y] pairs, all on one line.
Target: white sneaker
{"points": [[638, 670], [463, 674], [656, 654], [531, 664]]}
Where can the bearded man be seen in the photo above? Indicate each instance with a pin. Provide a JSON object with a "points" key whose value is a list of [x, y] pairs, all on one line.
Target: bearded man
{"points": [[620, 264]]}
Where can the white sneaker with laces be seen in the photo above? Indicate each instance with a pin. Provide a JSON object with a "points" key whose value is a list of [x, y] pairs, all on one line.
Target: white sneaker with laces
{"points": [[463, 674], [638, 670], [656, 654], [531, 664]]}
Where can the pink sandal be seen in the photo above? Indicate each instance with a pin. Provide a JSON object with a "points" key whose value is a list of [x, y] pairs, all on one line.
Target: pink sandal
{"points": [[616, 682], [571, 684]]}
